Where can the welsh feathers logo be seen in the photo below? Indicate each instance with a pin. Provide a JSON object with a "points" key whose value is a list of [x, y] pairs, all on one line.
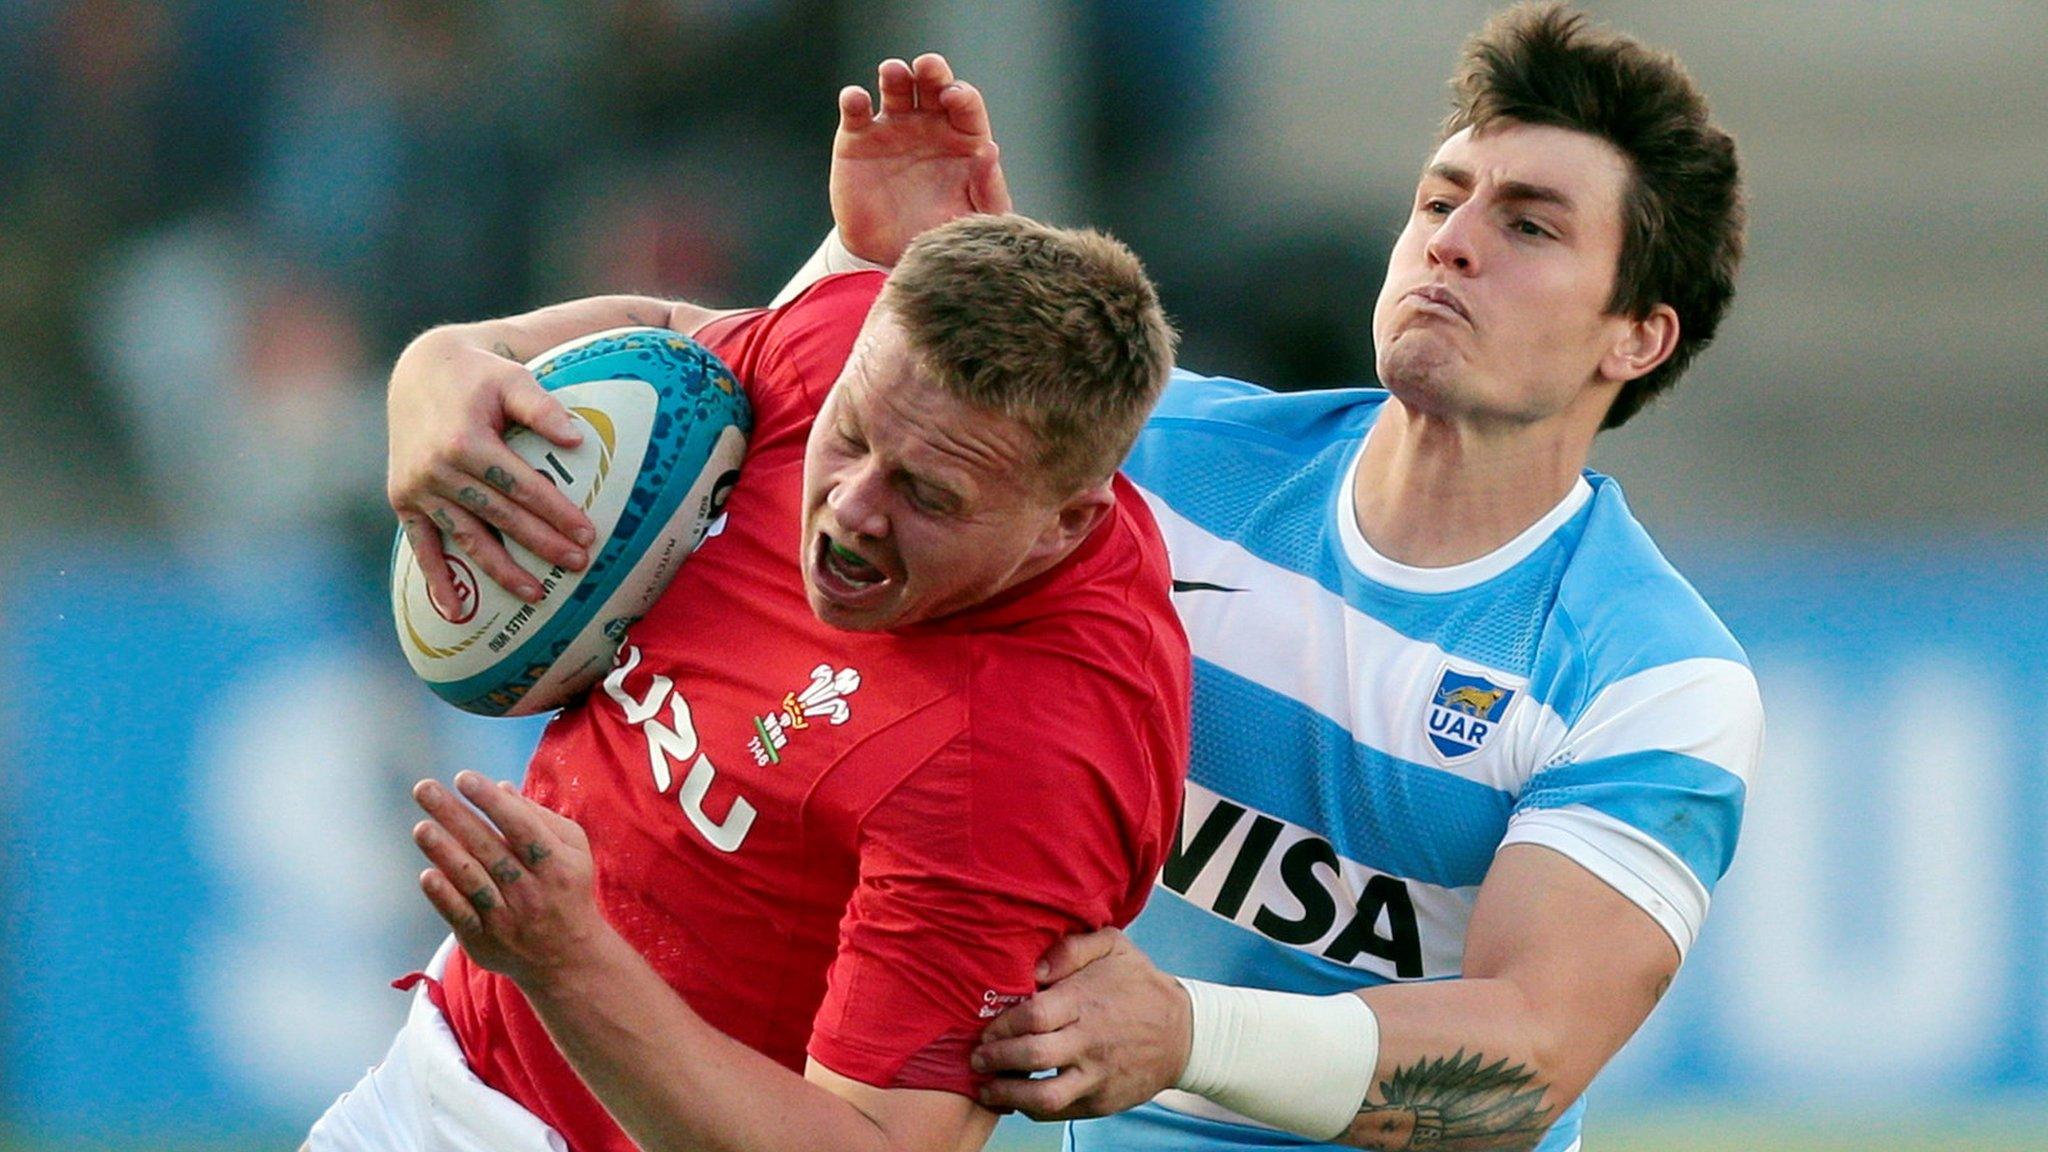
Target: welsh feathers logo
{"points": [[825, 700], [1464, 711]]}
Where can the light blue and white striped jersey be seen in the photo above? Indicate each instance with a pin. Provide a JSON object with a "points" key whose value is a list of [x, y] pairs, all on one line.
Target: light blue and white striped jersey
{"points": [[1367, 735]]}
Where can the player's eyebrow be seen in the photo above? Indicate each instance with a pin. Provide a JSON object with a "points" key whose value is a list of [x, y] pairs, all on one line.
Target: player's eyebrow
{"points": [[1520, 191]]}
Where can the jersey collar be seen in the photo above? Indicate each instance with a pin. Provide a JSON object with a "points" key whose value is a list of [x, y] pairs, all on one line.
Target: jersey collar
{"points": [[1456, 577]]}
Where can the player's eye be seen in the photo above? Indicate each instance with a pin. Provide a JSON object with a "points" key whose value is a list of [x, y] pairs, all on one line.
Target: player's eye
{"points": [[1436, 206], [928, 499], [1528, 227]]}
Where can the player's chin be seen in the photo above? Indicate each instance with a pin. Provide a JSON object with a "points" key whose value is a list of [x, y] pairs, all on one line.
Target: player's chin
{"points": [[849, 617]]}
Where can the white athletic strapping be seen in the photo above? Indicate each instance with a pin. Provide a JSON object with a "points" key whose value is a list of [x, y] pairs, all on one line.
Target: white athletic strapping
{"points": [[1302, 1064]]}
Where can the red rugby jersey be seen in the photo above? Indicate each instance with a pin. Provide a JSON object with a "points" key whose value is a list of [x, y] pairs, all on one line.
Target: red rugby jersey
{"points": [[855, 845]]}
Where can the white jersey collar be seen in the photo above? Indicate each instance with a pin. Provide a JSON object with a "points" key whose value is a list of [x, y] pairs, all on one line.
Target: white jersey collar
{"points": [[1456, 577]]}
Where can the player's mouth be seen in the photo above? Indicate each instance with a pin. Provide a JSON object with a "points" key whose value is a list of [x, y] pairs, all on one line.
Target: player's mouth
{"points": [[844, 576], [1438, 300]]}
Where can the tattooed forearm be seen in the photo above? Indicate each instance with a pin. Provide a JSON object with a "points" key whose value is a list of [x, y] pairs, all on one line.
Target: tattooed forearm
{"points": [[635, 316], [1455, 1104]]}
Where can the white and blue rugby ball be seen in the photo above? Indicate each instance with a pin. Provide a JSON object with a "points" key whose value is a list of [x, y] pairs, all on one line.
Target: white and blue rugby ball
{"points": [[664, 427]]}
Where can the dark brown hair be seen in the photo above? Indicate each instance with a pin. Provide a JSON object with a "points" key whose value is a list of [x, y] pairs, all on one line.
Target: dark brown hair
{"points": [[1056, 328], [1682, 214]]}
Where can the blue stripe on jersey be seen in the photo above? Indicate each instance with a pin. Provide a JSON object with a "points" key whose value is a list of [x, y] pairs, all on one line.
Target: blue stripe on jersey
{"points": [[1151, 1128], [1250, 484], [1567, 1129], [1626, 613], [1242, 463], [1279, 418], [1283, 758], [1190, 941], [1690, 806]]}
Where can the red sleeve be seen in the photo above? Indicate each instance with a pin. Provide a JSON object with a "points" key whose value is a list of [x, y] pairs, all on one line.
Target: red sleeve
{"points": [[788, 357], [1046, 820]]}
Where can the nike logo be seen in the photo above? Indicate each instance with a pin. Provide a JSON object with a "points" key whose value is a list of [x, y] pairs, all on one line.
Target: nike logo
{"points": [[1201, 586]]}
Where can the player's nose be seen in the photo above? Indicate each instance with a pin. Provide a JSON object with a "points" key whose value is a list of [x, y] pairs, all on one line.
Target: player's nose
{"points": [[1453, 244], [859, 500]]}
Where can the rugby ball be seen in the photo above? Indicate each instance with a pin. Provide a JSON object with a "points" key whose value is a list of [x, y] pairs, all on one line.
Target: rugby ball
{"points": [[664, 429]]}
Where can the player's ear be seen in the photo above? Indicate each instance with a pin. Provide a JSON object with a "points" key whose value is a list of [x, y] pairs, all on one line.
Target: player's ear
{"points": [[1076, 517], [1641, 345]]}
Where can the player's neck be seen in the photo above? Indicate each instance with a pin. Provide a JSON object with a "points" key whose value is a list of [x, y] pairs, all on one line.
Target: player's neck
{"points": [[1432, 493]]}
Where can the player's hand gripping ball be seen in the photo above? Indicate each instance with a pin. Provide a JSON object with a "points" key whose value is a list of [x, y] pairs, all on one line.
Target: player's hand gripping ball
{"points": [[664, 428]]}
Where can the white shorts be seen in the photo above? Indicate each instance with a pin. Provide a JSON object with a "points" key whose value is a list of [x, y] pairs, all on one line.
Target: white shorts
{"points": [[424, 1098]]}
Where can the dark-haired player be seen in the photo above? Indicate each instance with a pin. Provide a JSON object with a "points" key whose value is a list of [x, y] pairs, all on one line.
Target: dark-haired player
{"points": [[1469, 755]]}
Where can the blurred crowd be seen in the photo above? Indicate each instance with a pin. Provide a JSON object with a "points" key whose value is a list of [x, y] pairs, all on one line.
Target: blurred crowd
{"points": [[221, 219]]}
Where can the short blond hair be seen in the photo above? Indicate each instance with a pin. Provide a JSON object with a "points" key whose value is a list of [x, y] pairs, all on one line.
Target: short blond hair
{"points": [[1058, 329]]}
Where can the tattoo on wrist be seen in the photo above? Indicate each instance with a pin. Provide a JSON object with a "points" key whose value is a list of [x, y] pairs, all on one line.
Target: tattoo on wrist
{"points": [[1458, 1103], [636, 318], [500, 479]]}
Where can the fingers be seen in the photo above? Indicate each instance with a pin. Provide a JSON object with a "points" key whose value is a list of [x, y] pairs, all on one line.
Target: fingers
{"points": [[1048, 1011], [520, 821], [526, 402], [474, 539], [1074, 953], [964, 107], [451, 904], [1029, 1053], [930, 75], [458, 887], [490, 492], [519, 897], [467, 850], [508, 516], [856, 109], [432, 559], [899, 90], [490, 480], [1046, 1098], [925, 83]]}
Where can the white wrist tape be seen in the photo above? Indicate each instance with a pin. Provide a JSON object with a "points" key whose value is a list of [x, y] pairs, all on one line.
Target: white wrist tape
{"points": [[1300, 1063], [831, 257]]}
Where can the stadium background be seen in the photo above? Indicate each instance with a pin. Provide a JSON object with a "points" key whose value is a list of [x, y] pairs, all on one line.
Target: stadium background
{"points": [[220, 220]]}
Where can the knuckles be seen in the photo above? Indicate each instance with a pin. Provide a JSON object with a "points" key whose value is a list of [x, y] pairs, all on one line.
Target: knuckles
{"points": [[1032, 1015], [470, 443]]}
